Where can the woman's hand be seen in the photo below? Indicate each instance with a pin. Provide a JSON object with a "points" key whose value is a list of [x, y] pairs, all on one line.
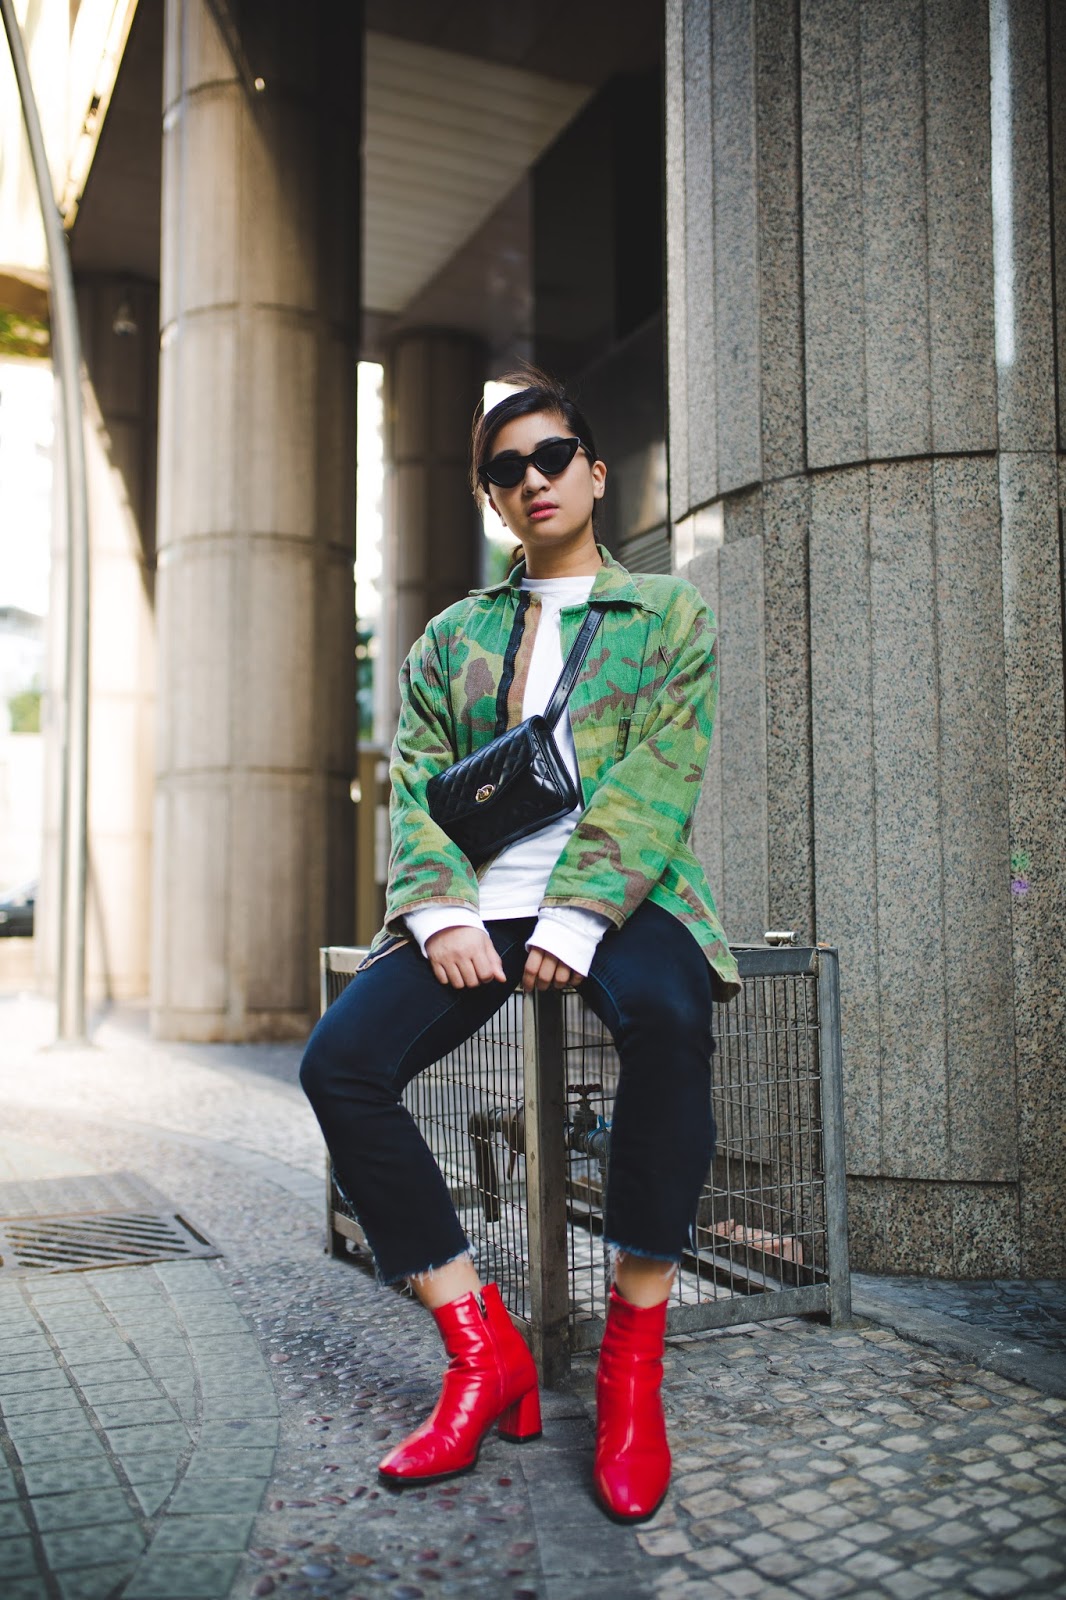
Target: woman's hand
{"points": [[545, 971], [464, 957]]}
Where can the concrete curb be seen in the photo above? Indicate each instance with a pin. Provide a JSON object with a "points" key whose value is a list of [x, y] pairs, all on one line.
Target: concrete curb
{"points": [[1029, 1364]]}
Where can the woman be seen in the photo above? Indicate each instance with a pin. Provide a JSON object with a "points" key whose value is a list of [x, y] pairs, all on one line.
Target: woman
{"points": [[610, 898]]}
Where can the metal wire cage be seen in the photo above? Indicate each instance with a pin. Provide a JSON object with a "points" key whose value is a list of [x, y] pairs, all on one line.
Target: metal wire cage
{"points": [[519, 1118]]}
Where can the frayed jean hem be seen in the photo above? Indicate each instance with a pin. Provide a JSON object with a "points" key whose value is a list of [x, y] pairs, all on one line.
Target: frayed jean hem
{"points": [[615, 1250], [390, 1280]]}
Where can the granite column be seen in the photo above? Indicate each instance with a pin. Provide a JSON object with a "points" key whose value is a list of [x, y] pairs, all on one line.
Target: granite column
{"points": [[254, 830], [865, 480]]}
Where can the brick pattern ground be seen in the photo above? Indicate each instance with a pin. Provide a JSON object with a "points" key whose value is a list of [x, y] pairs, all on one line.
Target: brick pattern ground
{"points": [[211, 1428]]}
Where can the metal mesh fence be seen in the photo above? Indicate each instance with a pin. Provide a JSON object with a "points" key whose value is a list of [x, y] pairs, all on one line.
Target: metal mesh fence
{"points": [[767, 1239]]}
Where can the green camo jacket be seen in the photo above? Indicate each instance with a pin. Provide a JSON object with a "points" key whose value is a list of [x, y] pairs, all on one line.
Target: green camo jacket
{"points": [[642, 712]]}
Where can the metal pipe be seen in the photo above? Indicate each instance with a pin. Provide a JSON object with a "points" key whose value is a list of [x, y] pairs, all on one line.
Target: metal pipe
{"points": [[831, 1067], [75, 738], [544, 1085]]}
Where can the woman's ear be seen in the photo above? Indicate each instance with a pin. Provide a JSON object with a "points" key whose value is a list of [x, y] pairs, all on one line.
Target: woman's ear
{"points": [[599, 479], [496, 508]]}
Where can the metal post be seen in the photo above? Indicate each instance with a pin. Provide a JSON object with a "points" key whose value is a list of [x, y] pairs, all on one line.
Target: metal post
{"points": [[66, 344], [831, 1064], [545, 1120]]}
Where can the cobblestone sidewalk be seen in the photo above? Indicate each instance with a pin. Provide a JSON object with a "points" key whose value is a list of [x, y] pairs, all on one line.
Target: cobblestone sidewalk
{"points": [[205, 1428]]}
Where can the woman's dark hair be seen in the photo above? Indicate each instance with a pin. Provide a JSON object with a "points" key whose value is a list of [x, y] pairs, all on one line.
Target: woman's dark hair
{"points": [[539, 392]]}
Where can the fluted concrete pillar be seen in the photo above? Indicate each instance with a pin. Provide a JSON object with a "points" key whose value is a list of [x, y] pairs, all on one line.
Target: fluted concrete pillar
{"points": [[119, 319], [433, 381], [254, 826], [865, 475]]}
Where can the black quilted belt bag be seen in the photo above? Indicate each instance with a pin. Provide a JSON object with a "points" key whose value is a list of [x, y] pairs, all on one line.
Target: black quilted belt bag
{"points": [[518, 783]]}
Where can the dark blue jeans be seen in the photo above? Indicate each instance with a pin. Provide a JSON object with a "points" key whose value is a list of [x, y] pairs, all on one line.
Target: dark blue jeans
{"points": [[650, 983]]}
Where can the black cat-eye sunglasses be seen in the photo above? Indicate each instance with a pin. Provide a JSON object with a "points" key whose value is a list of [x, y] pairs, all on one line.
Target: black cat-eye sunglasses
{"points": [[552, 456]]}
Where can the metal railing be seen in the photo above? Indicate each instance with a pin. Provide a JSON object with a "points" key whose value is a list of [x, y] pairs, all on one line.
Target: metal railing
{"points": [[519, 1120]]}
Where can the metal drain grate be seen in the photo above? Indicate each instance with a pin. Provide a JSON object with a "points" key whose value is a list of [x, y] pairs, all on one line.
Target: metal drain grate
{"points": [[76, 1243]]}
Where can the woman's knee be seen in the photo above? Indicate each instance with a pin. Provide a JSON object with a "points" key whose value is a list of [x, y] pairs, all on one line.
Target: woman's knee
{"points": [[332, 1061], [316, 1067], [675, 1016]]}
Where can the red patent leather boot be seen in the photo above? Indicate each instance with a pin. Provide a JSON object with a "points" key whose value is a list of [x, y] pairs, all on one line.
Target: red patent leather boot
{"points": [[490, 1378], [632, 1467]]}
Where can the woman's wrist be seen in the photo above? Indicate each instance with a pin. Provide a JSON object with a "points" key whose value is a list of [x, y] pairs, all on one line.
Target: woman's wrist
{"points": [[570, 934], [423, 924]]}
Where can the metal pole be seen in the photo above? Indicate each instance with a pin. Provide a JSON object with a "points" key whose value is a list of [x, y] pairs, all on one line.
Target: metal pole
{"points": [[67, 365], [836, 1193], [544, 1074]]}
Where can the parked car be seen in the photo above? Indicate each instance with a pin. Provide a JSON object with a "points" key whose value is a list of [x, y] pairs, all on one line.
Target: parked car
{"points": [[16, 912]]}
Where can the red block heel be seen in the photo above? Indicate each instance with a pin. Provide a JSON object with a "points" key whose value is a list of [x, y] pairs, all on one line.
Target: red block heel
{"points": [[521, 1421], [490, 1378]]}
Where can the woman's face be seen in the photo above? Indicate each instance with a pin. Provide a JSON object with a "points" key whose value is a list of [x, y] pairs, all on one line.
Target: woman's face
{"points": [[547, 513]]}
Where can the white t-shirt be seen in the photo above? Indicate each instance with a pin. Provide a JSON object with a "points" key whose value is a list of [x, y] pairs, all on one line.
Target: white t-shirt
{"points": [[514, 884]]}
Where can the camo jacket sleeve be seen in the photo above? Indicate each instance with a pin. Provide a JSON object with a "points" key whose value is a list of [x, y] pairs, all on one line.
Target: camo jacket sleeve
{"points": [[638, 818], [425, 868]]}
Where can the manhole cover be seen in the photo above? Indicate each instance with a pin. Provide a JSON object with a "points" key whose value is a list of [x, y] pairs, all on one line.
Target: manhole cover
{"points": [[78, 1242]]}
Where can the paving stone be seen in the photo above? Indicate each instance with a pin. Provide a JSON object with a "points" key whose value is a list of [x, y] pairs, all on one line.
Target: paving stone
{"points": [[152, 1494], [710, 1503], [37, 1360], [129, 1440], [939, 1567], [240, 1433], [134, 1413], [59, 1447], [194, 1577], [126, 1391], [796, 1532], [824, 1584], [191, 1534], [997, 1581], [805, 1500], [869, 1533], [1042, 1567], [214, 1463], [80, 1510], [740, 1582], [870, 1564], [907, 1518], [664, 1542], [952, 1533], [59, 1477], [1028, 1538], [30, 1402], [65, 1420], [714, 1531], [24, 1589], [999, 1520], [782, 1565], [905, 1585], [146, 1466], [13, 1384], [758, 1544], [233, 1495], [17, 1559], [12, 1519], [93, 1583], [125, 1369], [75, 1548], [834, 1517]]}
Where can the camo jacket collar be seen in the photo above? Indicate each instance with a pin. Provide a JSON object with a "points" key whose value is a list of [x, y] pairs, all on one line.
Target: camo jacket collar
{"points": [[612, 586]]}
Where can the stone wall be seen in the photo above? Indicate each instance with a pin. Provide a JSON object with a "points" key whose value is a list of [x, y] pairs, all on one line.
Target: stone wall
{"points": [[866, 476]]}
